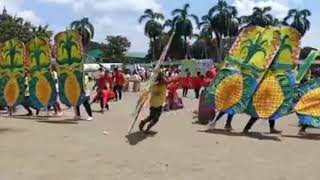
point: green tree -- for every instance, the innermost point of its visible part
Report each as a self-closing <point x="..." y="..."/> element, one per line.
<point x="200" y="47"/>
<point x="222" y="20"/>
<point x="298" y="20"/>
<point x="116" y="48"/>
<point x="85" y="29"/>
<point x="152" y="28"/>
<point x="42" y="32"/>
<point x="183" y="25"/>
<point x="15" y="27"/>
<point x="260" y="17"/>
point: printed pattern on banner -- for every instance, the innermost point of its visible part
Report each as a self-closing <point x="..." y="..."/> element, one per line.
<point x="41" y="84"/>
<point x="70" y="68"/>
<point x="307" y="106"/>
<point x="273" y="98"/>
<point x="249" y="58"/>
<point x="12" y="81"/>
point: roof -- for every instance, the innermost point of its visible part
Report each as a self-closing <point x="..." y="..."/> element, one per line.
<point x="95" y="53"/>
<point x="136" y="54"/>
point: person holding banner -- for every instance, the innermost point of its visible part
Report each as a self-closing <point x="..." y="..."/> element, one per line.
<point x="157" y="100"/>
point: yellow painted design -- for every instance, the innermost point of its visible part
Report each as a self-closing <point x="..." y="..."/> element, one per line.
<point x="224" y="99"/>
<point x="287" y="56"/>
<point x="309" y="104"/>
<point x="245" y="48"/>
<point x="11" y="92"/>
<point x="268" y="97"/>
<point x="43" y="90"/>
<point x="39" y="52"/>
<point x="72" y="89"/>
<point x="69" y="37"/>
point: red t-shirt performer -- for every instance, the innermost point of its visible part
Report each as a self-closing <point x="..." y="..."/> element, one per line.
<point x="119" y="81"/>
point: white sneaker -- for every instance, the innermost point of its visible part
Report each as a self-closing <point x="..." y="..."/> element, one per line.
<point x="89" y="118"/>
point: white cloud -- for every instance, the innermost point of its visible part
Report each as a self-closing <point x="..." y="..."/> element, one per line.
<point x="15" y="7"/>
<point x="29" y="15"/>
<point x="113" y="17"/>
<point x="279" y="7"/>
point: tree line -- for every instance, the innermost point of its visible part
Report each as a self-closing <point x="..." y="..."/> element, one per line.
<point x="217" y="29"/>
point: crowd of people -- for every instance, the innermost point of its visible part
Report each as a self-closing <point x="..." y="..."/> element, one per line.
<point x="105" y="86"/>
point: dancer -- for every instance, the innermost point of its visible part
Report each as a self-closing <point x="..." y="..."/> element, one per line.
<point x="106" y="95"/>
<point x="158" y="98"/>
<point x="103" y="80"/>
<point x="174" y="102"/>
<point x="89" y="83"/>
<point x="26" y="101"/>
<point x="186" y="84"/>
<point x="228" y="125"/>
<point x="56" y="106"/>
<point x="197" y="83"/>
<point x="253" y="120"/>
<point x="119" y="81"/>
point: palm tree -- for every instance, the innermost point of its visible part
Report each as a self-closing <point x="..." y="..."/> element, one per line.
<point x="85" y="29"/>
<point x="298" y="20"/>
<point x="203" y="38"/>
<point x="223" y="21"/>
<point x="260" y="17"/>
<point x="42" y="32"/>
<point x="183" y="25"/>
<point x="170" y="24"/>
<point x="152" y="28"/>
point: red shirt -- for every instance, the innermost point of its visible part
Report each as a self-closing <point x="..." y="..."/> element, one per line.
<point x="206" y="82"/>
<point x="186" y="82"/>
<point x="197" y="82"/>
<point x="119" y="78"/>
<point x="107" y="95"/>
<point x="103" y="80"/>
<point x="172" y="87"/>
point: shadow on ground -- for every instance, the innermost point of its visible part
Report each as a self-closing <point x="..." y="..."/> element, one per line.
<point x="137" y="137"/>
<point x="24" y="117"/>
<point x="3" y="130"/>
<point x="65" y="121"/>
<point x="308" y="136"/>
<point x="254" y="135"/>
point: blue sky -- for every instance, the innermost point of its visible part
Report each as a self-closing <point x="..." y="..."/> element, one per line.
<point x="113" y="17"/>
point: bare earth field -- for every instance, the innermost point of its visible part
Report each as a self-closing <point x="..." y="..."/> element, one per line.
<point x="49" y="149"/>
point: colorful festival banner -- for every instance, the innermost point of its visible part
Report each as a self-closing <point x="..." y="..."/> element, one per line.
<point x="70" y="68"/>
<point x="304" y="68"/>
<point x="308" y="103"/>
<point x="12" y="79"/>
<point x="273" y="98"/>
<point x="249" y="59"/>
<point x="41" y="84"/>
<point x="196" y="65"/>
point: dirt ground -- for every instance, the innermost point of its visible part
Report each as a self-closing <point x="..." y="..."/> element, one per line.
<point x="51" y="149"/>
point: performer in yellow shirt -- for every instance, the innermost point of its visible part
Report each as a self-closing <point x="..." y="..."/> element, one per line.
<point x="157" y="100"/>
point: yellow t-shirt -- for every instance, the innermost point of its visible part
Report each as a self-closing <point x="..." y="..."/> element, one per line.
<point x="158" y="95"/>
